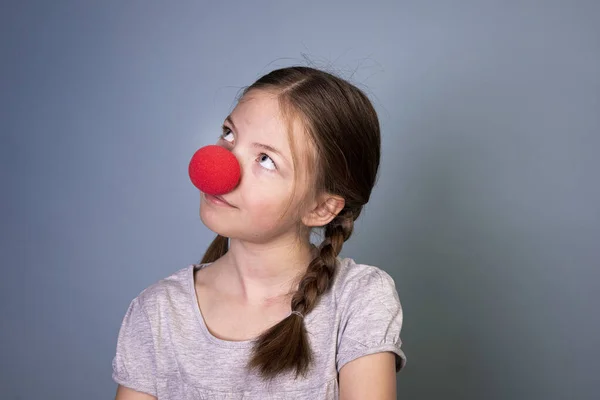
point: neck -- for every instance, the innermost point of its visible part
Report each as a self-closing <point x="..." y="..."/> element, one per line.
<point x="259" y="273"/>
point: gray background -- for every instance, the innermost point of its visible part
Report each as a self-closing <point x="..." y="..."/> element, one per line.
<point x="486" y="212"/>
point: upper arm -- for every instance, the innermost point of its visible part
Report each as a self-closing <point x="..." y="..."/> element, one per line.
<point x="369" y="377"/>
<point x="125" y="393"/>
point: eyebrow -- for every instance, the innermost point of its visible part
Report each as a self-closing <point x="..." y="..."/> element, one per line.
<point x="259" y="145"/>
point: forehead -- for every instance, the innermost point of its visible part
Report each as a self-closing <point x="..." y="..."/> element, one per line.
<point x="259" y="113"/>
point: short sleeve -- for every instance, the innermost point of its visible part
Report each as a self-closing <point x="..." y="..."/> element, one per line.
<point x="371" y="319"/>
<point x="134" y="364"/>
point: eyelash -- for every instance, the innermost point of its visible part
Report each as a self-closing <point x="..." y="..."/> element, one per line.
<point x="227" y="130"/>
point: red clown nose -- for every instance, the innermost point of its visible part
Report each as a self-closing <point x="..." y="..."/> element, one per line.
<point x="214" y="170"/>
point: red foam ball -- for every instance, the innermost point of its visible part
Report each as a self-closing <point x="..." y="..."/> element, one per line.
<point x="214" y="170"/>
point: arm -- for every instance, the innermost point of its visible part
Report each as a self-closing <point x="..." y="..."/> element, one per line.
<point x="125" y="393"/>
<point x="369" y="377"/>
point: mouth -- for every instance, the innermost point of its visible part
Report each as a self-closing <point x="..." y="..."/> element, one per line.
<point x="218" y="200"/>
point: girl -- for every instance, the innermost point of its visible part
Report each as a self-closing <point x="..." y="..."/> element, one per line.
<point x="267" y="314"/>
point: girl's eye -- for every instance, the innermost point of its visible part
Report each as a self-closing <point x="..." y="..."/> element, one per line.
<point x="264" y="160"/>
<point x="267" y="162"/>
<point x="227" y="132"/>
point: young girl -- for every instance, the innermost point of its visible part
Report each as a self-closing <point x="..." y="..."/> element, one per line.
<point x="267" y="314"/>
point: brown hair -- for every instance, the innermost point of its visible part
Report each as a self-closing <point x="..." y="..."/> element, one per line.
<point x="343" y="128"/>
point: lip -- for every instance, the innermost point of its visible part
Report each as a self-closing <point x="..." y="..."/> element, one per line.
<point x="217" y="200"/>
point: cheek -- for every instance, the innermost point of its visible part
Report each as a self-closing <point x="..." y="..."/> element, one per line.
<point x="265" y="201"/>
<point x="266" y="205"/>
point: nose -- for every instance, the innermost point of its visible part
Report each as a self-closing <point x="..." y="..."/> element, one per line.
<point x="214" y="170"/>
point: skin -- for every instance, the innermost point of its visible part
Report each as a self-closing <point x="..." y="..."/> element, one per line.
<point x="249" y="289"/>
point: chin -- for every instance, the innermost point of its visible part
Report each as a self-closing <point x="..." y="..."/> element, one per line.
<point x="223" y="227"/>
<point x="219" y="224"/>
<point x="238" y="227"/>
<point x="214" y="222"/>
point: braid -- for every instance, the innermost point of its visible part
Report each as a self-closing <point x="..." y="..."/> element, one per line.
<point x="285" y="346"/>
<point x="320" y="271"/>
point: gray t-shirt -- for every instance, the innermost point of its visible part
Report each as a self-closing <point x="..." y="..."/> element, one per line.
<point x="165" y="349"/>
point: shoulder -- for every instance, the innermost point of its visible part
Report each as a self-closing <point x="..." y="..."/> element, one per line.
<point x="170" y="290"/>
<point x="354" y="278"/>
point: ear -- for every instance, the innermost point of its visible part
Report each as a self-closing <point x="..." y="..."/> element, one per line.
<point x="326" y="207"/>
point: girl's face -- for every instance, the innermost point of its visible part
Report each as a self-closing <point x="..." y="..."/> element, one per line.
<point x="256" y="133"/>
